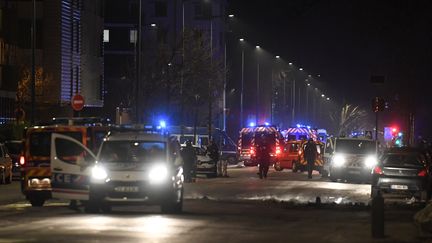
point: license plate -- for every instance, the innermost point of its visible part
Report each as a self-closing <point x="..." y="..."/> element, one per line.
<point x="126" y="189"/>
<point x="399" y="187"/>
<point x="355" y="172"/>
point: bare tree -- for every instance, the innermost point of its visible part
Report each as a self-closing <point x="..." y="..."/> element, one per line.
<point x="349" y="118"/>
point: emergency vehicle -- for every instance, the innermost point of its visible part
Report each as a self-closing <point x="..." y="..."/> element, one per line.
<point x="133" y="166"/>
<point x="292" y="157"/>
<point x="244" y="144"/>
<point x="269" y="133"/>
<point x="299" y="133"/>
<point x="35" y="161"/>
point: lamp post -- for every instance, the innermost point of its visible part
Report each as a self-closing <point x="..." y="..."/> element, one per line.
<point x="33" y="68"/>
<point x="138" y="74"/>
<point x="257" y="87"/>
<point x="242" y="82"/>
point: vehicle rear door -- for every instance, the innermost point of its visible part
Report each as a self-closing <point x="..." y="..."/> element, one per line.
<point x="70" y="168"/>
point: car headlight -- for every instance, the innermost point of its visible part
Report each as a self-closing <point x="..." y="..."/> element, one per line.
<point x="338" y="160"/>
<point x="158" y="174"/>
<point x="371" y="161"/>
<point x="99" y="173"/>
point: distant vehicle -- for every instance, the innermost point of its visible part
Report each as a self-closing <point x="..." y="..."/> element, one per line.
<point x="205" y="165"/>
<point x="227" y="147"/>
<point x="402" y="170"/>
<point x="15" y="150"/>
<point x="35" y="161"/>
<point x="245" y="143"/>
<point x="131" y="167"/>
<point x="289" y="155"/>
<point x="350" y="158"/>
<point x="299" y="133"/>
<point x="269" y="135"/>
<point x="5" y="166"/>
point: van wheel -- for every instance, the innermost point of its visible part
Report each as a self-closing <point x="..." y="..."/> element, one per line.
<point x="91" y="207"/>
<point x="294" y="166"/>
<point x="277" y="166"/>
<point x="173" y="206"/>
<point x="37" y="201"/>
<point x="332" y="178"/>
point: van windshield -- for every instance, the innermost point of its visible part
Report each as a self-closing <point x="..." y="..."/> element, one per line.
<point x="355" y="146"/>
<point x="133" y="151"/>
<point x="40" y="142"/>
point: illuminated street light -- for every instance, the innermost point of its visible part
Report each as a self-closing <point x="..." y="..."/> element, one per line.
<point x="257" y="47"/>
<point x="231" y="15"/>
<point x="323" y="95"/>
<point x="290" y="63"/>
<point x="277" y="57"/>
<point x="328" y="98"/>
<point x="153" y="25"/>
<point x="301" y="69"/>
<point x="241" y="39"/>
<point x="319" y="75"/>
<point x="309" y="76"/>
<point x="308" y="84"/>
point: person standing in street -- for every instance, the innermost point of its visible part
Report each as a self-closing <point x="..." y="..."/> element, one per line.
<point x="263" y="156"/>
<point x="213" y="152"/>
<point x="310" y="152"/>
<point x="189" y="161"/>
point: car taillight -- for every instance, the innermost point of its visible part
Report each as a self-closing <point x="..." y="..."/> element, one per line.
<point x="278" y="150"/>
<point x="252" y="150"/>
<point x="422" y="173"/>
<point x="22" y="160"/>
<point x="377" y="170"/>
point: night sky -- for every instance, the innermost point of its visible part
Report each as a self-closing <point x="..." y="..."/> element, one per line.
<point x="347" y="42"/>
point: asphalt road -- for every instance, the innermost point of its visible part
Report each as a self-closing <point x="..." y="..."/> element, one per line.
<point x="241" y="208"/>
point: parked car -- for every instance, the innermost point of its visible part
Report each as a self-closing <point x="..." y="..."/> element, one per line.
<point x="403" y="171"/>
<point x="14" y="149"/>
<point x="205" y="165"/>
<point x="5" y="166"/>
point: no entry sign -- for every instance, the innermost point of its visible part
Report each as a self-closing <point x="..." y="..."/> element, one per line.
<point x="77" y="102"/>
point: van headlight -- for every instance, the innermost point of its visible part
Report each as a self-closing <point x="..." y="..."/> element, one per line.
<point x="371" y="161"/>
<point x="339" y="160"/>
<point x="99" y="173"/>
<point x="158" y="174"/>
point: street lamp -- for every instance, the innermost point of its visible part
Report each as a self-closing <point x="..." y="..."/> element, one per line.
<point x="242" y="81"/>
<point x="257" y="47"/>
<point x="301" y="69"/>
<point x="231" y="15"/>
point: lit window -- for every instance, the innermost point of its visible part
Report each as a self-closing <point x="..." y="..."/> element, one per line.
<point x="133" y="36"/>
<point x="106" y="36"/>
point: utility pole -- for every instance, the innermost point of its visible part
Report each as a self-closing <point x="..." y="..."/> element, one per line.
<point x="33" y="67"/>
<point x="138" y="75"/>
<point x="242" y="88"/>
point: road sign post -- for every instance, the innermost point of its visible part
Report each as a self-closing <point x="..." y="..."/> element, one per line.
<point x="77" y="104"/>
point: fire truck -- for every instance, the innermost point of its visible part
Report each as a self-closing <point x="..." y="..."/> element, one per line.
<point x="299" y="133"/>
<point x="250" y="137"/>
<point x="35" y="160"/>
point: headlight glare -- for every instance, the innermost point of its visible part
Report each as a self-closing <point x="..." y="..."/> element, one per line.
<point x="99" y="173"/>
<point x="371" y="161"/>
<point x="338" y="160"/>
<point x="158" y="174"/>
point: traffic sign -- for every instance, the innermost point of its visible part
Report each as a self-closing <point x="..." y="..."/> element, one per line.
<point x="77" y="102"/>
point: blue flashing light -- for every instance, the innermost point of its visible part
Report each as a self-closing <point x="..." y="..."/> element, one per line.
<point x="298" y="125"/>
<point x="162" y="124"/>
<point x="267" y="124"/>
<point x="400" y="134"/>
<point x="308" y="127"/>
<point x="252" y="124"/>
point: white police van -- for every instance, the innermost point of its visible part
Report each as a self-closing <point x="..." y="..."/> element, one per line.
<point x="131" y="167"/>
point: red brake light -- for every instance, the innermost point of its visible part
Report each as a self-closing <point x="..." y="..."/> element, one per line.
<point x="22" y="160"/>
<point x="252" y="151"/>
<point x="278" y="150"/>
<point x="378" y="170"/>
<point x="422" y="173"/>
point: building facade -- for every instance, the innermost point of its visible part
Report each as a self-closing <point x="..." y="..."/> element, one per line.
<point x="69" y="54"/>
